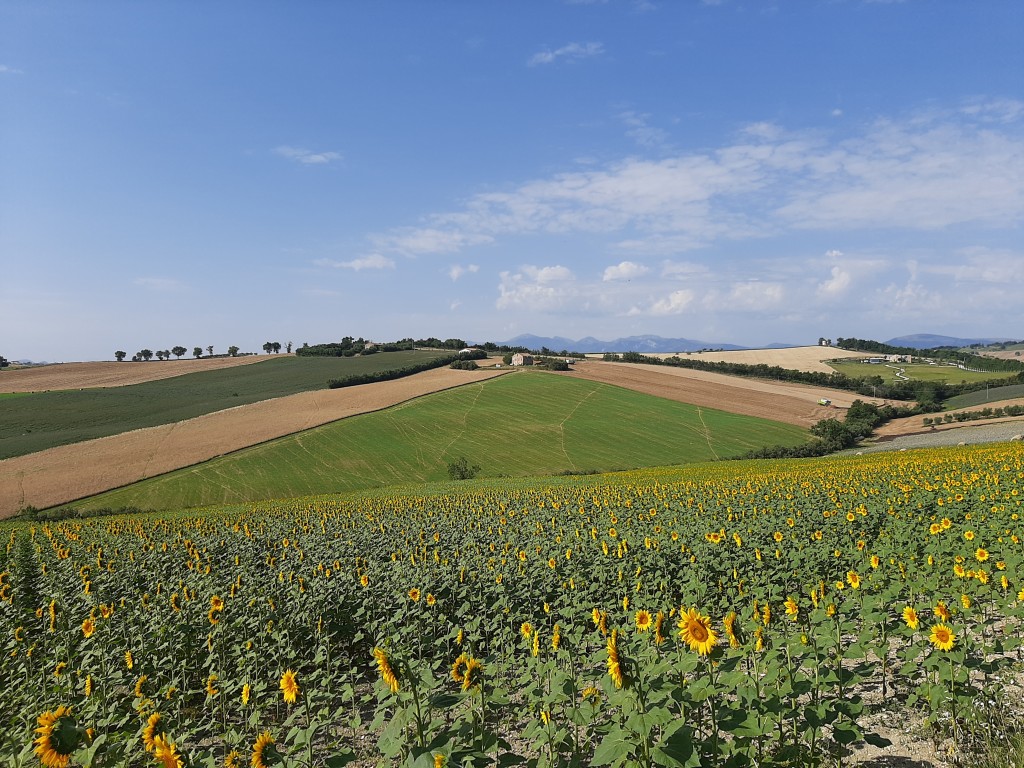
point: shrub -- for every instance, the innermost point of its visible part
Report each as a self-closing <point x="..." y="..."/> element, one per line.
<point x="461" y="469"/>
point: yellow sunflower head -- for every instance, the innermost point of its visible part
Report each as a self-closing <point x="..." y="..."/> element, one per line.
<point x="58" y="737"/>
<point x="264" y="752"/>
<point x="289" y="687"/>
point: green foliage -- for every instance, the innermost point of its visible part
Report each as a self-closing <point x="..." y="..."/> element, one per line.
<point x="465" y="365"/>
<point x="47" y="419"/>
<point x="461" y="469"/>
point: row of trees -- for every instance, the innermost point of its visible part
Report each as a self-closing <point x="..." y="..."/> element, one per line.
<point x="275" y="347"/>
<point x="145" y="355"/>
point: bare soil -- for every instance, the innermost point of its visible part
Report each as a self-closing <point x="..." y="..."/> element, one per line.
<point x="47" y="378"/>
<point x="69" y="472"/>
<point x="789" y="403"/>
<point x="795" y="358"/>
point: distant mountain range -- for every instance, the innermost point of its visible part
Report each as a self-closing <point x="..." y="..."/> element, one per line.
<point x="931" y="340"/>
<point x="642" y="344"/>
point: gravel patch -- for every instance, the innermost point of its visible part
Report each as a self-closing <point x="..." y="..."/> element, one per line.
<point x="967" y="435"/>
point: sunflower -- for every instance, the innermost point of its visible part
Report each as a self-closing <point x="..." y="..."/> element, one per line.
<point x="526" y="630"/>
<point x="128" y="660"/>
<point x="166" y="753"/>
<point x="246" y="693"/>
<point x="289" y="687"/>
<point x="942" y="637"/>
<point x="364" y="580"/>
<point x="556" y="636"/>
<point x="981" y="554"/>
<point x="88" y="627"/>
<point x="216" y="603"/>
<point x="151" y="731"/>
<point x="729" y="622"/>
<point x="792" y="608"/>
<point x="431" y="600"/>
<point x="414" y="595"/>
<point x="474" y="671"/>
<point x="58" y="737"/>
<point x="643" y="620"/>
<point x="659" y="620"/>
<point x="211" y="688"/>
<point x="941" y="611"/>
<point x="696" y="631"/>
<point x="264" y="751"/>
<point x="615" y="666"/>
<point x="384" y="667"/>
<point x="910" y="617"/>
<point x="853" y="579"/>
<point x="459" y="668"/>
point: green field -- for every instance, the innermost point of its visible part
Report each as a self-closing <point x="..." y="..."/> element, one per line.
<point x="529" y="423"/>
<point x="985" y="396"/>
<point x="918" y="372"/>
<point x="48" y="419"/>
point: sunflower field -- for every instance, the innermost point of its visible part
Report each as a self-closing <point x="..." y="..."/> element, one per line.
<point x="733" y="614"/>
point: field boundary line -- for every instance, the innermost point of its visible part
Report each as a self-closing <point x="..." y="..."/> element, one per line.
<point x="561" y="425"/>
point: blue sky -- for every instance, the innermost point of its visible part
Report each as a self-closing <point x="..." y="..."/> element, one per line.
<point x="738" y="172"/>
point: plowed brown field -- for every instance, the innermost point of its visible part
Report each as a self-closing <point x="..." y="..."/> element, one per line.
<point x="47" y="378"/>
<point x="788" y="403"/>
<point x="61" y="475"/>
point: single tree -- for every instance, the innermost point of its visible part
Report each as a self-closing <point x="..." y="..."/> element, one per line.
<point x="197" y="351"/>
<point x="288" y="349"/>
<point x="209" y="350"/>
<point x="268" y="346"/>
<point x="159" y="354"/>
<point x="276" y="346"/>
<point x="178" y="351"/>
<point x="146" y="354"/>
<point x="232" y="351"/>
<point x="120" y="355"/>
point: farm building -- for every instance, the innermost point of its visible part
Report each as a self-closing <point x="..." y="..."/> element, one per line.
<point x="520" y="359"/>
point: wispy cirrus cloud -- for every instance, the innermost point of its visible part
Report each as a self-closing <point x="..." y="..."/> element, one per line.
<point x="924" y="171"/>
<point x="455" y="271"/>
<point x="372" y="261"/>
<point x="571" y="51"/>
<point x="7" y="70"/>
<point x="307" y="157"/>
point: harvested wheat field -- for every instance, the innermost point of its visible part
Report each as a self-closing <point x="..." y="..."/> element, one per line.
<point x="63" y="474"/>
<point x="788" y="403"/>
<point x="912" y="425"/>
<point x="795" y="358"/>
<point x="48" y="378"/>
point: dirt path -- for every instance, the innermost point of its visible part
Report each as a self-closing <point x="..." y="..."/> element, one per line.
<point x="789" y="403"/>
<point x="61" y="475"/>
<point x="47" y="378"/>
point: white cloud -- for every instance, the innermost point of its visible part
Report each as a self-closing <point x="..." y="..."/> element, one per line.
<point x="748" y="296"/>
<point x="305" y="156"/>
<point x="570" y="51"/>
<point x="372" y="261"/>
<point x="412" y="241"/>
<point x="457" y="270"/>
<point x="674" y="304"/>
<point x="536" y="288"/>
<point x="624" y="270"/>
<point x="641" y="131"/>
<point x="836" y="285"/>
<point x="6" y="70"/>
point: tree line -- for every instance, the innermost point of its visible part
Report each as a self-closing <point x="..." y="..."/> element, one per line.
<point x="145" y="355"/>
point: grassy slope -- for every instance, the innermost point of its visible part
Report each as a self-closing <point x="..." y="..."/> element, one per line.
<point x="529" y="423"/>
<point x="982" y="397"/>
<point x="918" y="372"/>
<point x="47" y="419"/>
